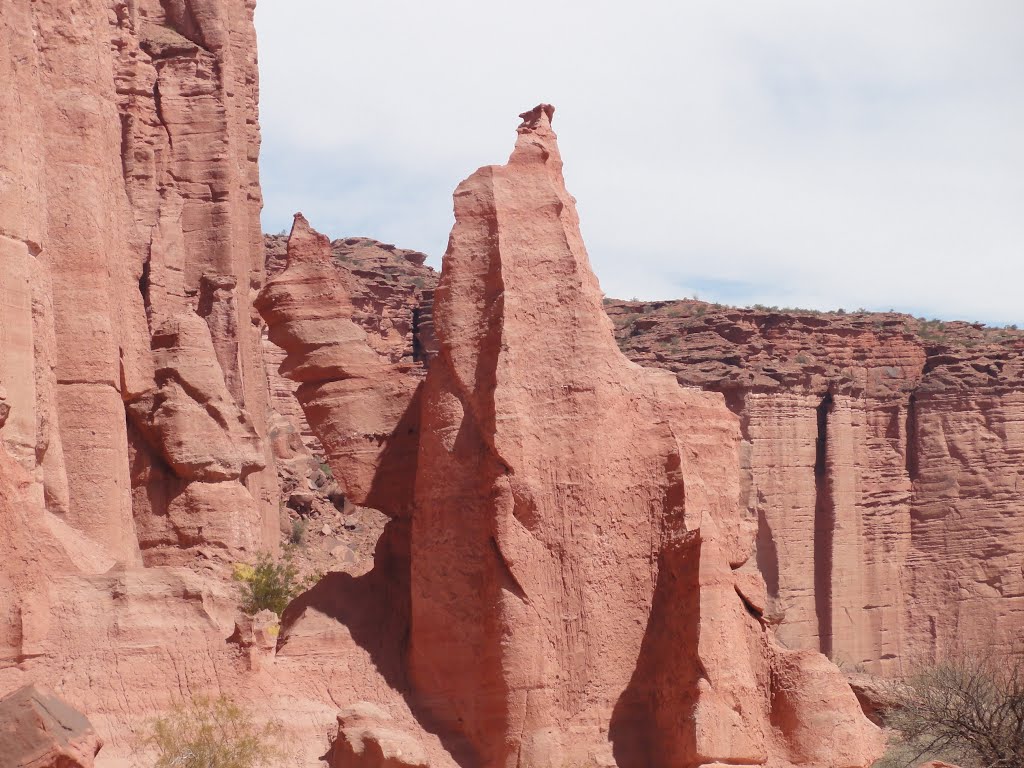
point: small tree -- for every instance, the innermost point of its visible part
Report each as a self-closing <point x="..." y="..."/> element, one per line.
<point x="214" y="733"/>
<point x="968" y="710"/>
<point x="268" y="585"/>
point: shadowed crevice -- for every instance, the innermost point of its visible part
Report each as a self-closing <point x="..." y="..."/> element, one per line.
<point x="824" y="530"/>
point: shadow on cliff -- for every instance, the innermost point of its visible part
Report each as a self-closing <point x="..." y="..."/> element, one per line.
<point x="392" y="490"/>
<point x="652" y="723"/>
<point x="375" y="608"/>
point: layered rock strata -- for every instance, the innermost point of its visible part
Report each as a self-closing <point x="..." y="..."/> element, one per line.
<point x="882" y="458"/>
<point x="132" y="392"/>
<point x="388" y="293"/>
<point x="356" y="399"/>
<point x="391" y="291"/>
<point x="569" y="561"/>
<point x="129" y="207"/>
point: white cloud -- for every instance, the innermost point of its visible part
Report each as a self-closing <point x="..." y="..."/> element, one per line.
<point x="797" y="152"/>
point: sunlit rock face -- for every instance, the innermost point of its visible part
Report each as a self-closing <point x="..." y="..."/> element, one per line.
<point x="357" y="400"/>
<point x="129" y="203"/>
<point x="882" y="459"/>
<point x="577" y="522"/>
<point x="132" y="393"/>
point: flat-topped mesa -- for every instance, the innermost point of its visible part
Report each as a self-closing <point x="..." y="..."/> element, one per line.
<point x="576" y="518"/>
<point x="355" y="400"/>
<point x="881" y="453"/>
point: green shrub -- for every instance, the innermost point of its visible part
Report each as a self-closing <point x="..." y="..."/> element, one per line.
<point x="214" y="733"/>
<point x="298" y="534"/>
<point x="268" y="585"/>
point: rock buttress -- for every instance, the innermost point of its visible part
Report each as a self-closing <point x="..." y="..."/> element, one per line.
<point x="357" y="401"/>
<point x="577" y="519"/>
<point x="130" y="196"/>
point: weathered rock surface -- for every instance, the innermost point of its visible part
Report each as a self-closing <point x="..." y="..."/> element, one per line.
<point x="129" y="198"/>
<point x="133" y="409"/>
<point x="203" y="447"/>
<point x="367" y="738"/>
<point x="356" y="399"/>
<point x="563" y="577"/>
<point x="882" y="458"/>
<point x="390" y="289"/>
<point x="38" y="730"/>
<point x="576" y="521"/>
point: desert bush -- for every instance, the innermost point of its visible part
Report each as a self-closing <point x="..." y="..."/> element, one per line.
<point x="298" y="532"/>
<point x="268" y="585"/>
<point x="968" y="710"/>
<point x="214" y="733"/>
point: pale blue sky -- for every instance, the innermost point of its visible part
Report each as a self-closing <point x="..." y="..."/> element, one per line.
<point x="800" y="152"/>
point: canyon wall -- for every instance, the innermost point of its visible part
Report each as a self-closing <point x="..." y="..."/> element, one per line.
<point x="883" y="459"/>
<point x="133" y="401"/>
<point x="570" y="560"/>
<point x="130" y="358"/>
<point x="575" y="561"/>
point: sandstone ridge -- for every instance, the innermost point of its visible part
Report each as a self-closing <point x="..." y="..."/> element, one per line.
<point x="571" y="546"/>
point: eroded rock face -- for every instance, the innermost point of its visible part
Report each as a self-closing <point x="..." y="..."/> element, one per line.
<point x="577" y="520"/>
<point x="38" y="730"/>
<point x="204" y="447"/>
<point x="391" y="291"/>
<point x="130" y="250"/>
<point x="367" y="738"/>
<point x="129" y="198"/>
<point x="881" y="455"/>
<point x="356" y="400"/>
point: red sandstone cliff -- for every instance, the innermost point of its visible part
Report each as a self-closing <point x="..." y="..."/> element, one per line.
<point x="577" y="518"/>
<point x="129" y="211"/>
<point x="882" y="458"/>
<point x="132" y="391"/>
<point x="569" y="555"/>
<point x="566" y="519"/>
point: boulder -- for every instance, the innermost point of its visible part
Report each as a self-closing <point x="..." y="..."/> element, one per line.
<point x="39" y="730"/>
<point x="368" y="738"/>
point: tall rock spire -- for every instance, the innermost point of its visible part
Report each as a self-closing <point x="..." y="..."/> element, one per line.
<point x="577" y="523"/>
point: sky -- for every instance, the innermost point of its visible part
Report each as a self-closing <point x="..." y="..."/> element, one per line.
<point x="800" y="153"/>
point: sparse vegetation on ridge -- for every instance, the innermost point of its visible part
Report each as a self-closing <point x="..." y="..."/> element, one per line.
<point x="298" y="533"/>
<point x="269" y="584"/>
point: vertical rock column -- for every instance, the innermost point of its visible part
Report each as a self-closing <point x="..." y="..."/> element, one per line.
<point x="91" y="251"/>
<point x="187" y="88"/>
<point x="577" y="522"/>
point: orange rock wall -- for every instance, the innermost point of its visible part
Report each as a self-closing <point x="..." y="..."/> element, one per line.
<point x="882" y="460"/>
<point x="129" y="203"/>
